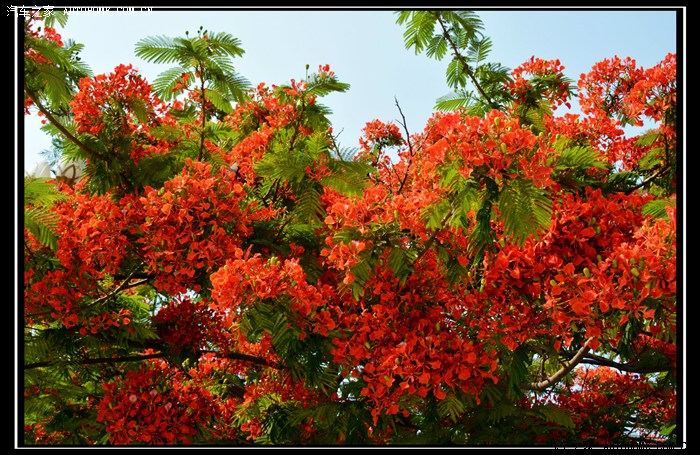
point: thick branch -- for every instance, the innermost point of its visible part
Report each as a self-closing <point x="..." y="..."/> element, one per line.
<point x="563" y="371"/>
<point x="244" y="357"/>
<point x="138" y="358"/>
<point x="593" y="359"/>
<point x="128" y="358"/>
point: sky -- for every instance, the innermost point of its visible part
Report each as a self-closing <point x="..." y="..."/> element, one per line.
<point x="365" y="48"/>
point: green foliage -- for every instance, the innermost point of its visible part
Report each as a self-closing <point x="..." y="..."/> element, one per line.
<point x="657" y="208"/>
<point x="206" y="56"/>
<point x="573" y="165"/>
<point x="524" y="209"/>
<point x="460" y="34"/>
<point x="51" y="78"/>
<point x="556" y="415"/>
<point x="39" y="196"/>
<point x="300" y="392"/>
<point x="454" y="100"/>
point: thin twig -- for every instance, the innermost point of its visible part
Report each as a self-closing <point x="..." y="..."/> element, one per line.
<point x="410" y="146"/>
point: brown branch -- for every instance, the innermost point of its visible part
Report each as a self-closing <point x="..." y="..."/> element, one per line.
<point x="128" y="358"/>
<point x="60" y="126"/>
<point x="115" y="291"/>
<point x="99" y="300"/>
<point x="244" y="357"/>
<point x="430" y="241"/>
<point x="659" y="173"/>
<point x="138" y="358"/>
<point x="281" y="229"/>
<point x="465" y="65"/>
<point x="563" y="371"/>
<point x="593" y="359"/>
<point x="204" y="118"/>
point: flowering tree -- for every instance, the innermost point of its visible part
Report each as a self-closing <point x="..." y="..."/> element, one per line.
<point x="225" y="273"/>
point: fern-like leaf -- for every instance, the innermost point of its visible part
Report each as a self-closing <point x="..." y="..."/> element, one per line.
<point x="578" y="157"/>
<point x="419" y="28"/>
<point x="556" y="415"/>
<point x="166" y="81"/>
<point x="657" y="208"/>
<point x="525" y="209"/>
<point x="454" y="100"/>
<point x="437" y="47"/>
<point x="455" y="74"/>
<point x="479" y="50"/>
<point x="158" y="49"/>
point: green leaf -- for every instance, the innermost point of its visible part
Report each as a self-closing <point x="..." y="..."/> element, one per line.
<point x="222" y="43"/>
<point x="349" y="177"/>
<point x="455" y="74"/>
<point x="56" y="87"/>
<point x="219" y="101"/>
<point x="39" y="196"/>
<point x="309" y="206"/>
<point x="478" y="50"/>
<point x="59" y="16"/>
<point x="419" y="29"/>
<point x="140" y="109"/>
<point x="323" y="85"/>
<point x="647" y="138"/>
<point x="437" y="47"/>
<point x="518" y="370"/>
<point x="501" y="411"/>
<point x="401" y="261"/>
<point x="166" y="81"/>
<point x="657" y="208"/>
<point x="556" y="415"/>
<point x="158" y="49"/>
<point x="451" y="406"/>
<point x="652" y="159"/>
<point x="578" y="157"/>
<point x="434" y="214"/>
<point x="454" y="100"/>
<point x="525" y="209"/>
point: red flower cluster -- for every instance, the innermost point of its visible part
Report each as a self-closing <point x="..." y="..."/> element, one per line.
<point x="191" y="225"/>
<point x="598" y="402"/>
<point x="119" y="109"/>
<point x="154" y="405"/>
<point x="546" y="81"/>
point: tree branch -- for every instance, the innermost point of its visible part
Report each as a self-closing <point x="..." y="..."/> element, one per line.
<point x="593" y="359"/>
<point x="410" y="146"/>
<point x="119" y="288"/>
<point x="465" y="65"/>
<point x="244" y="357"/>
<point x="659" y="173"/>
<point x="563" y="371"/>
<point x="60" y="126"/>
<point x="128" y="358"/>
<point x="138" y="358"/>
<point x="430" y="241"/>
<point x="204" y="116"/>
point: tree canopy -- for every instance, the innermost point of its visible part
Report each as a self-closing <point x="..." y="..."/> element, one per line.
<point x="224" y="273"/>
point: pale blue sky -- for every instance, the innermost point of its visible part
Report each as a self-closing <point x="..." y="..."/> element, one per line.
<point x="365" y="48"/>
